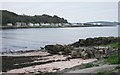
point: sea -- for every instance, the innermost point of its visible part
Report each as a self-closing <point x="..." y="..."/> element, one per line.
<point x="35" y="38"/>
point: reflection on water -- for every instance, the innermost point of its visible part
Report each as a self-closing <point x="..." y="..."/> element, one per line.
<point x="22" y="39"/>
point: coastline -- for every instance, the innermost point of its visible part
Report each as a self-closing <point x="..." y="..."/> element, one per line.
<point x="26" y="53"/>
<point x="59" y="58"/>
<point x="48" y="63"/>
<point x="11" y="27"/>
<point x="52" y="67"/>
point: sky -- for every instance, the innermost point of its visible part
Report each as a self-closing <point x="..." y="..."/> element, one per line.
<point x="59" y="0"/>
<point x="74" y="12"/>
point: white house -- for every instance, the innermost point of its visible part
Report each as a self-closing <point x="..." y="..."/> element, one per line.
<point x="36" y="24"/>
<point x="96" y="23"/>
<point x="52" y="24"/>
<point x="74" y="24"/>
<point x="66" y="24"/>
<point x="45" y="24"/>
<point x="30" y="24"/>
<point x="99" y="24"/>
<point x="23" y="24"/>
<point x="18" y="24"/>
<point x="82" y="24"/>
<point x="59" y="24"/>
<point x="77" y="24"/>
<point x="9" y="24"/>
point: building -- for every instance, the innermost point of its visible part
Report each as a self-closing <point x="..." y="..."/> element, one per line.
<point x="20" y="24"/>
<point x="59" y="24"/>
<point x="45" y="24"/>
<point x="23" y="24"/>
<point x="66" y="24"/>
<point x="9" y="24"/>
<point x="36" y="24"/>
<point x="30" y="24"/>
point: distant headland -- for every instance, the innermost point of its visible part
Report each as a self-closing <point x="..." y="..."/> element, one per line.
<point x="11" y="20"/>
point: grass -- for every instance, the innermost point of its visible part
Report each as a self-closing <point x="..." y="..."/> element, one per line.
<point x="88" y="65"/>
<point x="115" y="45"/>
<point x="113" y="59"/>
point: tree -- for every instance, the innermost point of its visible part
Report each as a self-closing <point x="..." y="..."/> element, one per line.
<point x="10" y="17"/>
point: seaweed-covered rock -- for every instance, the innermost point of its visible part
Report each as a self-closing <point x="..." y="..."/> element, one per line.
<point x="54" y="49"/>
<point x="96" y="41"/>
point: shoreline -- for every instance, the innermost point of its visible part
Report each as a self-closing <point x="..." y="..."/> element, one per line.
<point x="55" y="27"/>
<point x="41" y="61"/>
<point x="52" y="58"/>
<point x="51" y="67"/>
<point x="25" y="53"/>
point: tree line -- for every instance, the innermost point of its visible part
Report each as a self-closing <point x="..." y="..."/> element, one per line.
<point x="11" y="17"/>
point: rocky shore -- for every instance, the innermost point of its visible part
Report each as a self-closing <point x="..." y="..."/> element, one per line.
<point x="58" y="58"/>
<point x="39" y="61"/>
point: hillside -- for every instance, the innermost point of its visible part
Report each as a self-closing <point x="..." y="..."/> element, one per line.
<point x="11" y="17"/>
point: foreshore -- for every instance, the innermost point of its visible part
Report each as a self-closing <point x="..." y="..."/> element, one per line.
<point x="52" y="67"/>
<point x="48" y="63"/>
<point x="59" y="58"/>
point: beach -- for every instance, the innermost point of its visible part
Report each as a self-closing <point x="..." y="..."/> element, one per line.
<point x="52" y="67"/>
<point x="50" y="63"/>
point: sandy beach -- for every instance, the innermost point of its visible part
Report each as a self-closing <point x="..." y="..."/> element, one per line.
<point x="51" y="67"/>
<point x="51" y="63"/>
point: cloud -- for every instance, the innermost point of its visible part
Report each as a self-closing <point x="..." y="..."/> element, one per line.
<point x="72" y="11"/>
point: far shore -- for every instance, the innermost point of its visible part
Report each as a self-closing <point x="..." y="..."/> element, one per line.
<point x="24" y="27"/>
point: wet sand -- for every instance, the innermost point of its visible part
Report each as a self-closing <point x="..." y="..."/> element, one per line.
<point x="52" y="67"/>
<point x="29" y="53"/>
<point x="59" y="62"/>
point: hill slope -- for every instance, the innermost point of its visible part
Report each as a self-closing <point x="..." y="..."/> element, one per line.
<point x="11" y="17"/>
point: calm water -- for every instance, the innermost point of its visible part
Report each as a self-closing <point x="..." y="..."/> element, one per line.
<point x="24" y="39"/>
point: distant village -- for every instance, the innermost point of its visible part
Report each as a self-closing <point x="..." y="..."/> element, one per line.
<point x="13" y="20"/>
<point x="23" y="24"/>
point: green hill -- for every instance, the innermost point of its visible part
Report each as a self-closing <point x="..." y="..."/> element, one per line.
<point x="11" y="17"/>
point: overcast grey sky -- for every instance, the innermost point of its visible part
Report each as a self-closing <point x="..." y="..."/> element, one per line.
<point x="72" y="11"/>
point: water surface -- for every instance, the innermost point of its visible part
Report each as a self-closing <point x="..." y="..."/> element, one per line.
<point x="34" y="38"/>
